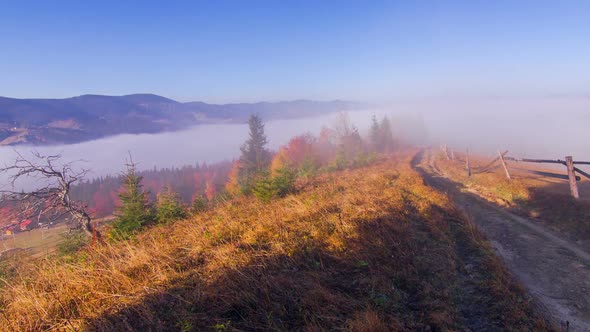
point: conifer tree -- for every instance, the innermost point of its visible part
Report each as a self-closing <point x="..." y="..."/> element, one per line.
<point x="199" y="205"/>
<point x="386" y="134"/>
<point x="375" y="133"/>
<point x="169" y="207"/>
<point x="135" y="210"/>
<point x="255" y="158"/>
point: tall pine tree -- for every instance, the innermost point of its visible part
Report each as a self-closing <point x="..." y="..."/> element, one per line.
<point x="386" y="135"/>
<point x="375" y="133"/>
<point x="380" y="134"/>
<point x="255" y="158"/>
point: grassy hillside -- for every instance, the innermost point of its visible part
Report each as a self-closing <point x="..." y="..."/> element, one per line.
<point x="371" y="249"/>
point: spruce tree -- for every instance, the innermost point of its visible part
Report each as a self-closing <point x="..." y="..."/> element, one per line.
<point x="375" y="133"/>
<point x="169" y="207"/>
<point x="255" y="158"/>
<point x="199" y="204"/>
<point x="135" y="210"/>
<point x="386" y="134"/>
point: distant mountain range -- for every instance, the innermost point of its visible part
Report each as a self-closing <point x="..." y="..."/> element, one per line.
<point x="87" y="117"/>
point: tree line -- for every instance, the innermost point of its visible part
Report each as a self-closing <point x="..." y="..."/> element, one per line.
<point x="192" y="182"/>
<point x="267" y="175"/>
<point x="193" y="189"/>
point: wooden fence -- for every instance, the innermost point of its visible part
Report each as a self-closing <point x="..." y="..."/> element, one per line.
<point x="502" y="158"/>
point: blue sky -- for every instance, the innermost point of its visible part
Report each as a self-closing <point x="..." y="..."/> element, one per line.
<point x="230" y="51"/>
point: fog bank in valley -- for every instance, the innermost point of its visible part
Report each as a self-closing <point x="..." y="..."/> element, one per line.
<point x="207" y="143"/>
<point x="535" y="127"/>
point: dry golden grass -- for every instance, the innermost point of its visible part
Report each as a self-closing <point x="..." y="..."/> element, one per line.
<point x="38" y="242"/>
<point x="371" y="249"/>
<point x="530" y="195"/>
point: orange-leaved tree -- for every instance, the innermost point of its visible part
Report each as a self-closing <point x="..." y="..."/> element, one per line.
<point x="299" y="153"/>
<point x="233" y="185"/>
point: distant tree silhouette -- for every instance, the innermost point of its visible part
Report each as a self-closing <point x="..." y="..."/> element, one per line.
<point x="380" y="134"/>
<point x="255" y="157"/>
<point x="386" y="134"/>
<point x="375" y="133"/>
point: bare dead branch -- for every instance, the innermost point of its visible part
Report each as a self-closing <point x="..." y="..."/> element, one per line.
<point x="51" y="200"/>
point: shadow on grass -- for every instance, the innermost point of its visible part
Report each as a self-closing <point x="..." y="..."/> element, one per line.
<point x="415" y="271"/>
<point x="550" y="204"/>
<point x="555" y="207"/>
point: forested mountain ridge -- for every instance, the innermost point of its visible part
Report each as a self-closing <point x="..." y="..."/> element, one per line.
<point x="87" y="117"/>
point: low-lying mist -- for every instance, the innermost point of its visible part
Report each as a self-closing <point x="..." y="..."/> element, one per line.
<point x="548" y="128"/>
<point x="536" y="128"/>
<point x="208" y="143"/>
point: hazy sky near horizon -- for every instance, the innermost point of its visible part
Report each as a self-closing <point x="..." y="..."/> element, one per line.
<point x="229" y="51"/>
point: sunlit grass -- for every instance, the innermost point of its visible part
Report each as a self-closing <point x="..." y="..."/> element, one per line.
<point x="371" y="249"/>
<point x="533" y="196"/>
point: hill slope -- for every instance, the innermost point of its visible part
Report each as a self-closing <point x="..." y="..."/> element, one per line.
<point x="372" y="249"/>
<point x="77" y="119"/>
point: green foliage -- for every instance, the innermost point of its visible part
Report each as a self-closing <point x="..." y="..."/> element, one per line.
<point x="169" y="207"/>
<point x="284" y="182"/>
<point x="247" y="182"/>
<point x="255" y="157"/>
<point x="199" y="205"/>
<point x="72" y="243"/>
<point x="308" y="169"/>
<point x="185" y="326"/>
<point x="279" y="185"/>
<point x="222" y="326"/>
<point x="135" y="210"/>
<point x="263" y="189"/>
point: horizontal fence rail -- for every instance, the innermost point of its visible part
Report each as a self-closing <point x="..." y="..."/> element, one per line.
<point x="502" y="158"/>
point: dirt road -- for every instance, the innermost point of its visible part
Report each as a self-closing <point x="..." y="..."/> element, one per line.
<point x="555" y="272"/>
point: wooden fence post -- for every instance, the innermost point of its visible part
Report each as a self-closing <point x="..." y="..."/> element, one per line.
<point x="446" y="151"/>
<point x="571" y="173"/>
<point x="501" y="155"/>
<point x="467" y="166"/>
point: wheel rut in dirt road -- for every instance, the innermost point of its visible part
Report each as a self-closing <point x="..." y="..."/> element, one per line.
<point x="555" y="271"/>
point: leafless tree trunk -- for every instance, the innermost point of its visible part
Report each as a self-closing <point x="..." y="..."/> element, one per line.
<point x="53" y="199"/>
